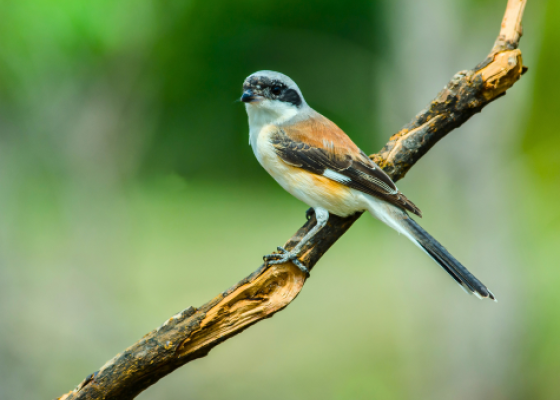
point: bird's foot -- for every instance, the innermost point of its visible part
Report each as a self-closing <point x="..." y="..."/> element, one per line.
<point x="283" y="257"/>
<point x="309" y="213"/>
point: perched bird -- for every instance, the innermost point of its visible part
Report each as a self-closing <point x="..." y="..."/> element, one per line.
<point x="315" y="161"/>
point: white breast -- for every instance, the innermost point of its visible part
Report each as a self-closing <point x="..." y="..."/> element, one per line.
<point x="266" y="154"/>
<point x="264" y="114"/>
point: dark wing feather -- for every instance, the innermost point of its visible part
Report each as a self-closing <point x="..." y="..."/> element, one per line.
<point x="316" y="157"/>
<point x="306" y="156"/>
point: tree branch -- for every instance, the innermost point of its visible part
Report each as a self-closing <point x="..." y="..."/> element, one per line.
<point x="192" y="333"/>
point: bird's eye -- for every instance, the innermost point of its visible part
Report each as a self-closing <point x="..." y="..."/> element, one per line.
<point x="276" y="90"/>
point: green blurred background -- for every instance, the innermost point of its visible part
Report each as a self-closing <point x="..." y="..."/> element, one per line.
<point x="114" y="213"/>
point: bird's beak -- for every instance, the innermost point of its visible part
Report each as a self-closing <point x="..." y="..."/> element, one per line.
<point x="249" y="97"/>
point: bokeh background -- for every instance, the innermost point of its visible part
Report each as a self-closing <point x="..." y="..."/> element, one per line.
<point x="128" y="192"/>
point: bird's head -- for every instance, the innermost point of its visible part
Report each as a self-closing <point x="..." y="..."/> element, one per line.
<point x="271" y="95"/>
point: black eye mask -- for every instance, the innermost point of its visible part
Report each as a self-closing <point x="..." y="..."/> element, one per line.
<point x="274" y="90"/>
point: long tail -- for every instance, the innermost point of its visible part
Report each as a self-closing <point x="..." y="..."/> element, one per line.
<point x="401" y="222"/>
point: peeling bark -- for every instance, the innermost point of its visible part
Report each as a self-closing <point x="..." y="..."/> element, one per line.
<point x="192" y="333"/>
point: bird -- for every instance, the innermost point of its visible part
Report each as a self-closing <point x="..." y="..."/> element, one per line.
<point x="315" y="161"/>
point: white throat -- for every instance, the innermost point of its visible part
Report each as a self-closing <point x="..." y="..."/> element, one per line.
<point x="267" y="112"/>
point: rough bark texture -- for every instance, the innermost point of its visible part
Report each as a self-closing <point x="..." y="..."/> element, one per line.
<point x="192" y="333"/>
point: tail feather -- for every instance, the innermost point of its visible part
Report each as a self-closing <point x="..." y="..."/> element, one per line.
<point x="399" y="220"/>
<point x="449" y="263"/>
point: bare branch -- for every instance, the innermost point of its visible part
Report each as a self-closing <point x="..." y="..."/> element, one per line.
<point x="192" y="333"/>
<point x="511" y="29"/>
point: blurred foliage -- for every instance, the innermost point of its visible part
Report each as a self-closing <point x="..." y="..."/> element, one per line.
<point x="124" y="163"/>
<point x="542" y="140"/>
<point x="176" y="68"/>
<point x="541" y="144"/>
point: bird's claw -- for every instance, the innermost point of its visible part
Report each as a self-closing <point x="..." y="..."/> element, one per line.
<point x="309" y="213"/>
<point x="285" y="256"/>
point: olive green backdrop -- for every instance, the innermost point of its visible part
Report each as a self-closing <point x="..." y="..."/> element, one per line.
<point x="128" y="192"/>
